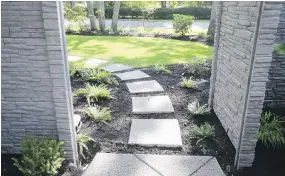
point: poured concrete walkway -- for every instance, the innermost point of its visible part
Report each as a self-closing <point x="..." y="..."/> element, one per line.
<point x="149" y="133"/>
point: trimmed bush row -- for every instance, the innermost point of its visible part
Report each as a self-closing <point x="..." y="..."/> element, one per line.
<point x="200" y="13"/>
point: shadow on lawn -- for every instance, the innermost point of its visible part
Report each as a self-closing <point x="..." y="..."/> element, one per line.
<point x="153" y="51"/>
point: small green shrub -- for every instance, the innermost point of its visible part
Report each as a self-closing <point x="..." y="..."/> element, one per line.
<point x="161" y="68"/>
<point x="76" y="70"/>
<point x="40" y="157"/>
<point x="196" y="109"/>
<point x="201" y="67"/>
<point x="271" y="131"/>
<point x="94" y="93"/>
<point x="202" y="35"/>
<point x="100" y="76"/>
<point x="280" y="49"/>
<point x="203" y="132"/>
<point x="82" y="138"/>
<point x="182" y="23"/>
<point x="188" y="83"/>
<point x="98" y="114"/>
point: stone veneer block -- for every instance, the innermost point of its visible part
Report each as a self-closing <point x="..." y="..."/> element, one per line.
<point x="152" y="104"/>
<point x="155" y="132"/>
<point x="144" y="87"/>
<point x="137" y="74"/>
<point x="116" y="67"/>
<point x="108" y="164"/>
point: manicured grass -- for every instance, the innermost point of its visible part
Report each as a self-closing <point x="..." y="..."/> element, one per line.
<point x="137" y="51"/>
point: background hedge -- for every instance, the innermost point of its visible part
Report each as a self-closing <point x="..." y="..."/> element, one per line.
<point x="200" y="13"/>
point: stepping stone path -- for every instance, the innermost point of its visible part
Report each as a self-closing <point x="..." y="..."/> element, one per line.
<point x="152" y="104"/>
<point x="116" y="68"/>
<point x="132" y="75"/>
<point x="150" y="132"/>
<point x="108" y="164"/>
<point x="94" y="62"/>
<point x="144" y="87"/>
<point x="155" y="132"/>
<point x="74" y="58"/>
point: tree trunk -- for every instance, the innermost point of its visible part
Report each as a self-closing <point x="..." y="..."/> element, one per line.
<point x="115" y="16"/>
<point x="163" y="4"/>
<point x="91" y="15"/>
<point x="101" y="15"/>
<point x="212" y="24"/>
<point x="167" y="4"/>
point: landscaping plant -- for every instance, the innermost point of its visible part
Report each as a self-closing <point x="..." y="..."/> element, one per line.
<point x="94" y="93"/>
<point x="203" y="132"/>
<point x="188" y="83"/>
<point x="182" y="23"/>
<point x="271" y="131"/>
<point x="196" y="109"/>
<point x="75" y="70"/>
<point x="100" y="76"/>
<point x="161" y="68"/>
<point x="82" y="138"/>
<point x="97" y="114"/>
<point x="40" y="156"/>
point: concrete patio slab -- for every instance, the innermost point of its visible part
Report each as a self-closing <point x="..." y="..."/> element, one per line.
<point x="116" y="67"/>
<point x="137" y="74"/>
<point x="93" y="62"/>
<point x="155" y="132"/>
<point x="74" y="58"/>
<point x="152" y="104"/>
<point x="144" y="87"/>
<point x="108" y="164"/>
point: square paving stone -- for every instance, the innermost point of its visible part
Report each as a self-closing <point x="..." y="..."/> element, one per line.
<point x="210" y="168"/>
<point x="116" y="67"/>
<point x="74" y="58"/>
<point x="137" y="74"/>
<point x="144" y="86"/>
<point x="152" y="104"/>
<point x="108" y="164"/>
<point x="94" y="62"/>
<point x="155" y="132"/>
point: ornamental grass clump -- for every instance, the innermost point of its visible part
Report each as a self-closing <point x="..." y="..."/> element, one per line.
<point x="161" y="68"/>
<point x="100" y="76"/>
<point x="82" y="138"/>
<point x="188" y="83"/>
<point x="204" y="132"/>
<point x="271" y="132"/>
<point x="40" y="156"/>
<point x="196" y="109"/>
<point x="94" y="93"/>
<point x="97" y="114"/>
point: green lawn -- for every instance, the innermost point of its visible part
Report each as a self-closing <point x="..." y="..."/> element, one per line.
<point x="137" y="51"/>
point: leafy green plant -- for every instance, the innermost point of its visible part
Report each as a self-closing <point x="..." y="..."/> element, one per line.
<point x="188" y="83"/>
<point x="100" y="76"/>
<point x="279" y="48"/>
<point x="82" y="138"/>
<point x="271" y="131"/>
<point x="76" y="14"/>
<point x="182" y="23"/>
<point x="76" y="70"/>
<point x="98" y="114"/>
<point x="203" y="132"/>
<point x="161" y="68"/>
<point x="94" y="93"/>
<point x="196" y="109"/>
<point x="201" y="34"/>
<point x="200" y="66"/>
<point x="40" y="157"/>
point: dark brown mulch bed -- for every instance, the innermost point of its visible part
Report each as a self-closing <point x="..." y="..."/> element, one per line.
<point x="114" y="136"/>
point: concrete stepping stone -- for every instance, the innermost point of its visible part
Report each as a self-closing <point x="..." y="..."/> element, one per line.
<point x="108" y="164"/>
<point x="116" y="67"/>
<point x="152" y="104"/>
<point x="94" y="62"/>
<point x="144" y="87"/>
<point x="155" y="132"/>
<point x="137" y="74"/>
<point x="74" y="58"/>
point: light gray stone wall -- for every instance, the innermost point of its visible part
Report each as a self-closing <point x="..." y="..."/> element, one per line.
<point x="242" y="58"/>
<point x="275" y="87"/>
<point x="35" y="82"/>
